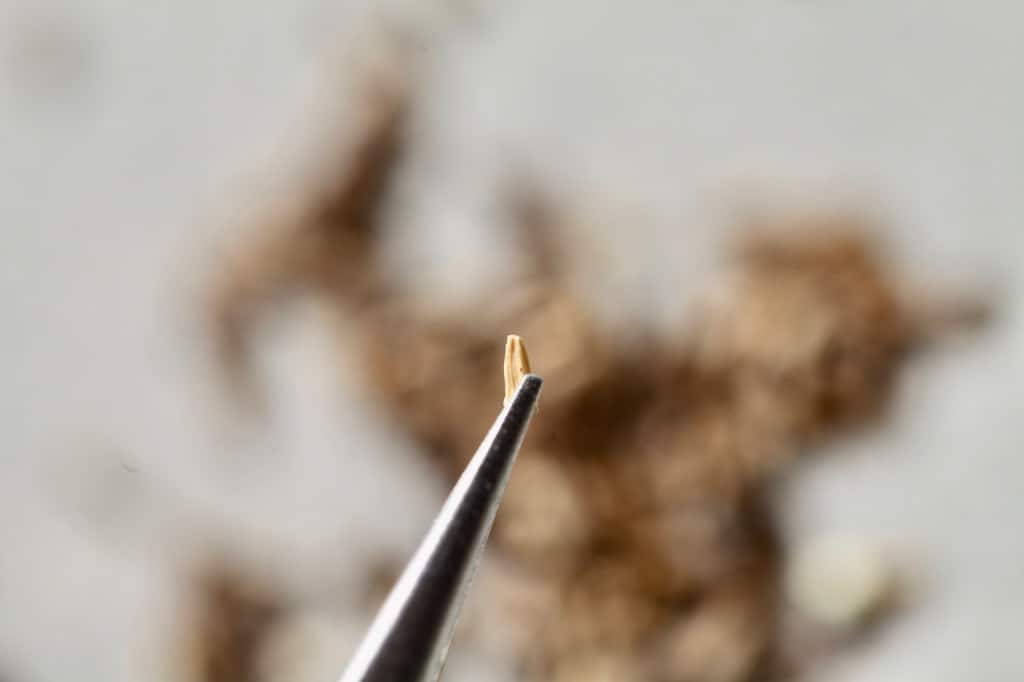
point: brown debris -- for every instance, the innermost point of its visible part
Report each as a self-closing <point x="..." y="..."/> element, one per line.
<point x="634" y="542"/>
<point x="325" y="248"/>
<point x="233" y="619"/>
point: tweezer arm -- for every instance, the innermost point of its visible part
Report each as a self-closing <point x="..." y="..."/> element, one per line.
<point x="408" y="641"/>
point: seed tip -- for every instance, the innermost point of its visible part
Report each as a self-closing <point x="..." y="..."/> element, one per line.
<point x="517" y="364"/>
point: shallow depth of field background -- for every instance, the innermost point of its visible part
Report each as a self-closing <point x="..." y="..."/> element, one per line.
<point x="135" y="138"/>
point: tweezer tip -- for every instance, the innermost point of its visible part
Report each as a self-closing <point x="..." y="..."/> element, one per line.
<point x="409" y="639"/>
<point x="522" y="403"/>
<point x="530" y="384"/>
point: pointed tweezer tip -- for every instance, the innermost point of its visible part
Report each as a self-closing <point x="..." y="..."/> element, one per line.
<point x="527" y="394"/>
<point x="408" y="641"/>
<point x="507" y="433"/>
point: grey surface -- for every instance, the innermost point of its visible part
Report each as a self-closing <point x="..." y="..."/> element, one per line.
<point x="131" y="150"/>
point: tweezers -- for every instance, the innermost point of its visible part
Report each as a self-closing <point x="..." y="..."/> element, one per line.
<point x="409" y="638"/>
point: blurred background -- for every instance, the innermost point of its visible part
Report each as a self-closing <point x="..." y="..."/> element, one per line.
<point x="775" y="241"/>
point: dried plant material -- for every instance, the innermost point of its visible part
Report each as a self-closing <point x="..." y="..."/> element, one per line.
<point x="233" y="618"/>
<point x="599" y="666"/>
<point x="546" y="516"/>
<point x="518" y="601"/>
<point x="326" y="246"/>
<point x="633" y="542"/>
<point x="722" y="640"/>
<point x="517" y="365"/>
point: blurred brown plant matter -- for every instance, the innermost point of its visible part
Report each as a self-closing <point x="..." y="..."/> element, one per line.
<point x="635" y="541"/>
<point x="233" y="618"/>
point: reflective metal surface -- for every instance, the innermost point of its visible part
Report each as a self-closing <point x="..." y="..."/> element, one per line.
<point x="409" y="639"/>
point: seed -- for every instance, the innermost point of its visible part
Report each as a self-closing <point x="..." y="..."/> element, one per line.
<point x="517" y="364"/>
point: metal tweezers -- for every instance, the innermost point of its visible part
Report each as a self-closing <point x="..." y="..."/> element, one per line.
<point x="408" y="640"/>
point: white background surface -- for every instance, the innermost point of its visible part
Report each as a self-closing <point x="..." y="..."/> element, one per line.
<point x="135" y="140"/>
